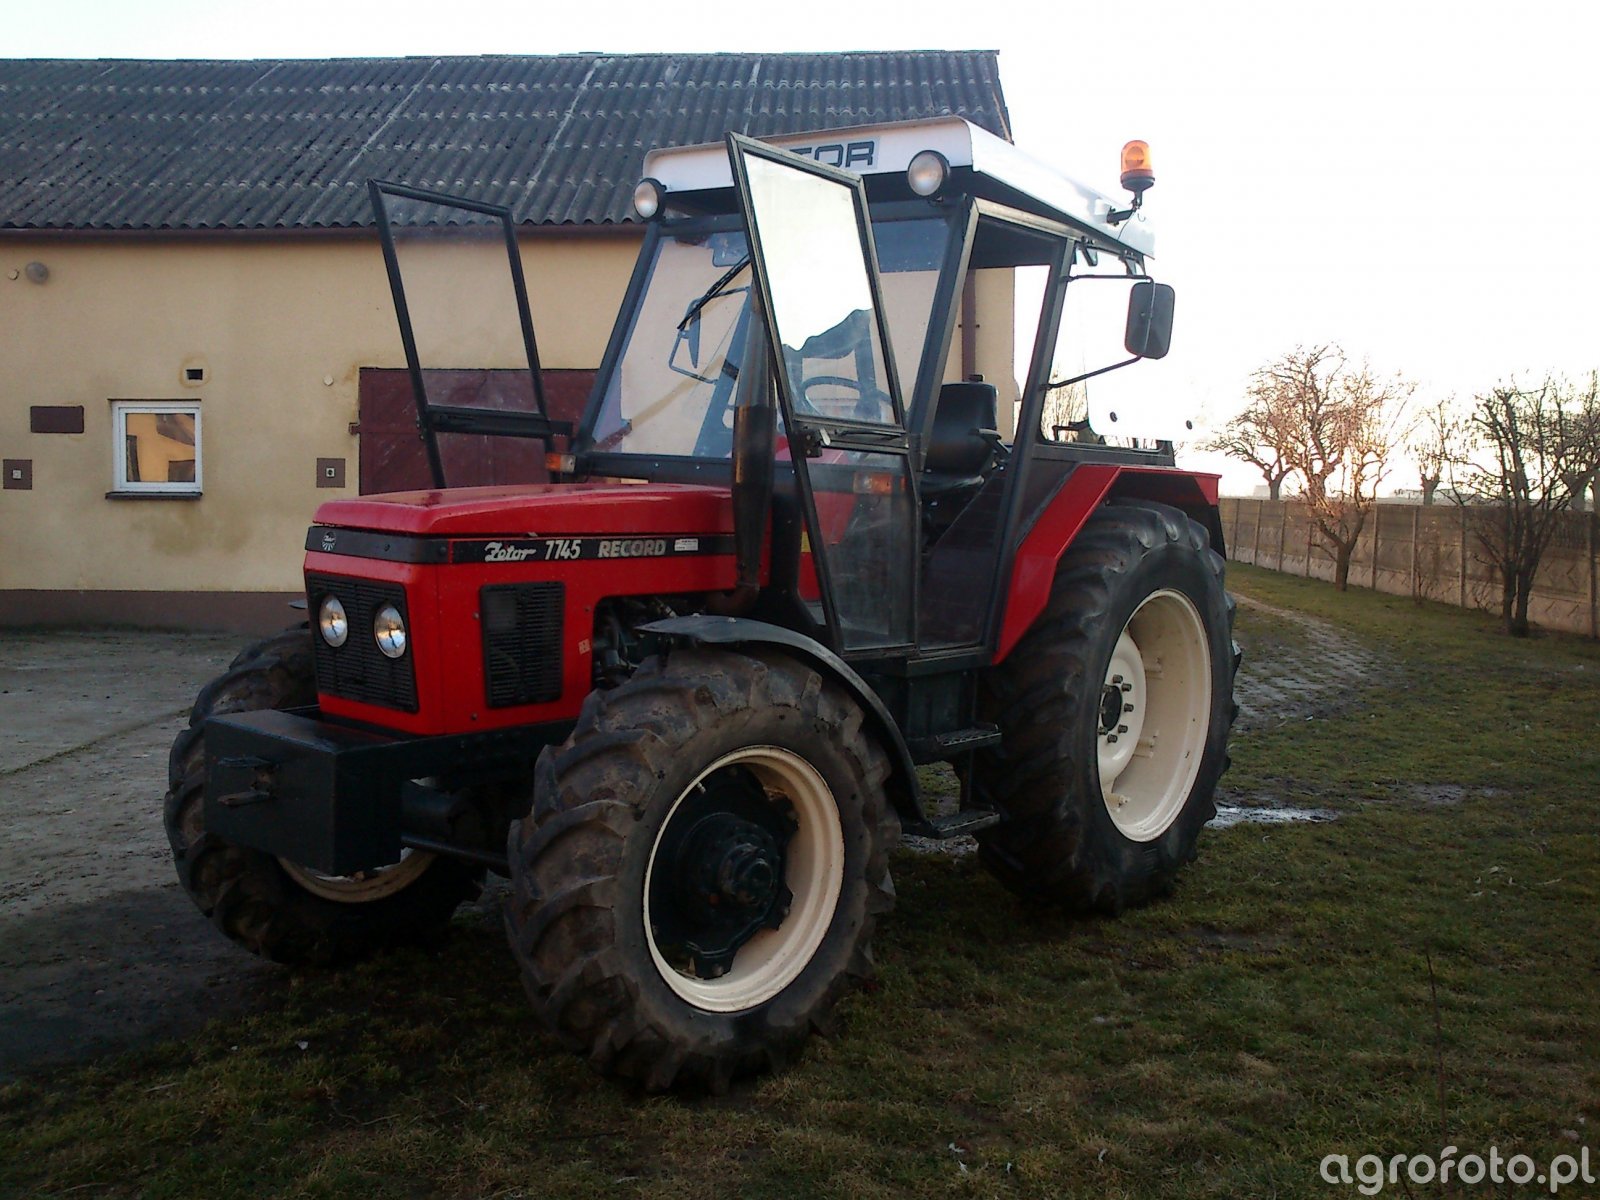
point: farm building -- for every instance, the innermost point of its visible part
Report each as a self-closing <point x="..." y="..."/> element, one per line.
<point x="199" y="344"/>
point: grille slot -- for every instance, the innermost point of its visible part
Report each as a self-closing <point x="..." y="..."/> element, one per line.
<point x="358" y="670"/>
<point x="522" y="642"/>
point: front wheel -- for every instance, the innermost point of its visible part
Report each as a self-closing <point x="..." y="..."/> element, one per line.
<point x="1114" y="712"/>
<point x="271" y="906"/>
<point x="698" y="882"/>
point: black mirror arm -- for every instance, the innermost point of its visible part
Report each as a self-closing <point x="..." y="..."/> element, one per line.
<point x="1061" y="383"/>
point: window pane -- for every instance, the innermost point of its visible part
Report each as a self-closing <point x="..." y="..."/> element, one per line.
<point x="461" y="301"/>
<point x="821" y="294"/>
<point x="160" y="447"/>
<point x="673" y="392"/>
<point x="864" y="515"/>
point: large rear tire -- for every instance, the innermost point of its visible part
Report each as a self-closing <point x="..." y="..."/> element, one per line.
<point x="1114" y="712"/>
<point x="272" y="907"/>
<point x="698" y="882"/>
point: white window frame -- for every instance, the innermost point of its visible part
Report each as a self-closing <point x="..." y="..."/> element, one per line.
<point x="120" y="410"/>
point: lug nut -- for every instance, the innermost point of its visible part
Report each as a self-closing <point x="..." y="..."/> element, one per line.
<point x="1127" y="687"/>
<point x="1127" y="708"/>
<point x="1111" y="737"/>
<point x="1122" y="729"/>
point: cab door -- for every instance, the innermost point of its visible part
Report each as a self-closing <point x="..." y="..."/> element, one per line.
<point x="817" y="289"/>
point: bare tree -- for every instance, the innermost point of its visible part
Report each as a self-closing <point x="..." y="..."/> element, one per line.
<point x="1313" y="414"/>
<point x="1537" y="444"/>
<point x="1439" y="444"/>
<point x="1262" y="435"/>
<point x="1066" y="412"/>
<point x="1353" y="422"/>
<point x="1579" y="416"/>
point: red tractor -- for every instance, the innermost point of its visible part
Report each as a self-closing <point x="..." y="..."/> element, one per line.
<point x="680" y="693"/>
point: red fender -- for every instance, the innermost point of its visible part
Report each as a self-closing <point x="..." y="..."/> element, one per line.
<point x="1033" y="571"/>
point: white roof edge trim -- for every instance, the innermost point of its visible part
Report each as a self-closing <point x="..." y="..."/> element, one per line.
<point x="887" y="149"/>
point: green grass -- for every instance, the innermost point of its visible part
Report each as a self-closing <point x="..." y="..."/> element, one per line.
<point x="1276" y="1009"/>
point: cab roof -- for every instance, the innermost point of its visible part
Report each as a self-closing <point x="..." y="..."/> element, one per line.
<point x="981" y="163"/>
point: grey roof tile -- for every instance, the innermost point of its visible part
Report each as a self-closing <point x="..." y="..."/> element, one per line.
<point x="288" y="144"/>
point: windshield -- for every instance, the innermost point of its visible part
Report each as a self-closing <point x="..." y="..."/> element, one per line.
<point x="672" y="388"/>
<point x="671" y="391"/>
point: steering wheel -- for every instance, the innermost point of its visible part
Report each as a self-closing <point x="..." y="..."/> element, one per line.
<point x="872" y="404"/>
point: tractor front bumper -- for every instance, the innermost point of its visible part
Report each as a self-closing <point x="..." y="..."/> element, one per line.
<point x="341" y="798"/>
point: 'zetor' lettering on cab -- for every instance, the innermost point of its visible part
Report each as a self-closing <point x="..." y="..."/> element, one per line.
<point x="632" y="547"/>
<point x="849" y="155"/>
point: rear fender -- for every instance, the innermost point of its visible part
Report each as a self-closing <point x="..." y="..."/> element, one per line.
<point x="741" y="631"/>
<point x="1033" y="570"/>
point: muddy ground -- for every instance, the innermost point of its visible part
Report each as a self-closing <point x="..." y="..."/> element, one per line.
<point x="100" y="950"/>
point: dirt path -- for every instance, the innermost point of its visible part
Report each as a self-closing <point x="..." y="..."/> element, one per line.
<point x="99" y="947"/>
<point x="1295" y="666"/>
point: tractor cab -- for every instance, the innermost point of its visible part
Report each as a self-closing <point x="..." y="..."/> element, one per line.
<point x="804" y="327"/>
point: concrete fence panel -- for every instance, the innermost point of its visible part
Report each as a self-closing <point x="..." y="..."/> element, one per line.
<point x="1427" y="551"/>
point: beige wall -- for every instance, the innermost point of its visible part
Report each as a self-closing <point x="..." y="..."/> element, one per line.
<point x="272" y="321"/>
<point x="282" y="327"/>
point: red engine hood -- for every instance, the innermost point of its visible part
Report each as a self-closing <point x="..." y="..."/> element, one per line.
<point x="539" y="510"/>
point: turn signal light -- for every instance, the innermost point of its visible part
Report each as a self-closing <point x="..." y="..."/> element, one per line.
<point x="560" y="464"/>
<point x="1137" y="174"/>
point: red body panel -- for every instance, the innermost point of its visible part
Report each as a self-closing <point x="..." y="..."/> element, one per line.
<point x="442" y="598"/>
<point x="1033" y="570"/>
<point x="539" y="510"/>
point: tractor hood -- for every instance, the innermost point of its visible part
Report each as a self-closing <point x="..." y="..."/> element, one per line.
<point x="538" y="510"/>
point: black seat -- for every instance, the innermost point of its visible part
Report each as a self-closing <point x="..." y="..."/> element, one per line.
<point x="958" y="454"/>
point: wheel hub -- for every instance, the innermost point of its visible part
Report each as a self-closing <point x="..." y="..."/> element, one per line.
<point x="718" y="878"/>
<point x="1111" y="708"/>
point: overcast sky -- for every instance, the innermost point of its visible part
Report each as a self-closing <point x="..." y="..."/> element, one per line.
<point x="1413" y="180"/>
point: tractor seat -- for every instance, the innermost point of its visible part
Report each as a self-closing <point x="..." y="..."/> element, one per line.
<point x="957" y="454"/>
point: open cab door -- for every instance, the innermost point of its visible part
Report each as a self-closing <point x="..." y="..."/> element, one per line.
<point x="817" y="290"/>
<point x="462" y="303"/>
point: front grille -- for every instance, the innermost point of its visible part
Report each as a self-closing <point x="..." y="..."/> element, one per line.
<point x="522" y="642"/>
<point x="358" y="670"/>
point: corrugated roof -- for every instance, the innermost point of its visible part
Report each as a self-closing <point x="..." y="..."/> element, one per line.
<point x="289" y="144"/>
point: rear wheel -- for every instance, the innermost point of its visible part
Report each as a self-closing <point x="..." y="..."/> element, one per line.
<point x="705" y="861"/>
<point x="1114" y="712"/>
<point x="271" y="906"/>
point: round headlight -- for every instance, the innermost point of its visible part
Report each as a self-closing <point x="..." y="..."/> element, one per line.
<point x="331" y="621"/>
<point x="647" y="197"/>
<point x="389" y="630"/>
<point x="927" y="172"/>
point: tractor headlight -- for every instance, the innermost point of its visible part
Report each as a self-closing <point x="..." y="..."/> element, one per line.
<point x="331" y="621"/>
<point x="389" y="631"/>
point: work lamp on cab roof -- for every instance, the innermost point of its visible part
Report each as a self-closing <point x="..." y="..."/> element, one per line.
<point x="927" y="172"/>
<point x="648" y="195"/>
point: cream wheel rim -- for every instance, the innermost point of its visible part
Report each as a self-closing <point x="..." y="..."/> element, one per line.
<point x="364" y="886"/>
<point x="771" y="959"/>
<point x="1155" y="714"/>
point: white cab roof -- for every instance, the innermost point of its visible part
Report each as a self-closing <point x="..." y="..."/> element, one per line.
<point x="888" y="149"/>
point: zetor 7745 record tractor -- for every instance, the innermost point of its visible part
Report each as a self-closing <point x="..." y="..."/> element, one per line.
<point x="680" y="692"/>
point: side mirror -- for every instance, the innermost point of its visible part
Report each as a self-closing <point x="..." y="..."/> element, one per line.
<point x="1149" y="332"/>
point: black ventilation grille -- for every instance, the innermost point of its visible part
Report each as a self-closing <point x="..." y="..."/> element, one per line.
<point x="522" y="642"/>
<point x="358" y="670"/>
